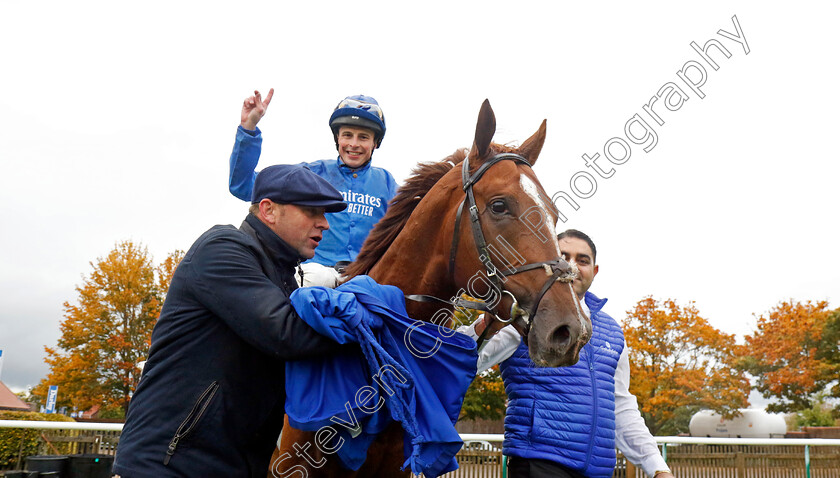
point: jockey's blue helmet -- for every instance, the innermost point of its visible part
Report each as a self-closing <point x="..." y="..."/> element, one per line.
<point x="362" y="111"/>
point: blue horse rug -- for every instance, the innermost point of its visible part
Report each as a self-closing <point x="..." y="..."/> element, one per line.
<point x="410" y="371"/>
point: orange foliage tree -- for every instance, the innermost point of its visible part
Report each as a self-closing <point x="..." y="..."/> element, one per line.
<point x="679" y="364"/>
<point x="794" y="354"/>
<point x="108" y="331"/>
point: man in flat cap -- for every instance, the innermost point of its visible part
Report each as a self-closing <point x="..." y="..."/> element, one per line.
<point x="211" y="398"/>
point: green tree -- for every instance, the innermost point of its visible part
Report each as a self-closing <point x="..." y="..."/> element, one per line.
<point x="794" y="354"/>
<point x="486" y="396"/>
<point x="18" y="443"/>
<point x="108" y="330"/>
<point x="819" y="415"/>
<point x="679" y="365"/>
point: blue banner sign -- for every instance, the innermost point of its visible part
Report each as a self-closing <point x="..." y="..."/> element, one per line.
<point x="51" y="397"/>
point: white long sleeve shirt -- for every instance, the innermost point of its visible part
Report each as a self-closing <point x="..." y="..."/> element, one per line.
<point x="632" y="436"/>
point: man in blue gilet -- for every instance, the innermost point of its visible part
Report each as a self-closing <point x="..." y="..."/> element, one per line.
<point x="358" y="127"/>
<point x="566" y="422"/>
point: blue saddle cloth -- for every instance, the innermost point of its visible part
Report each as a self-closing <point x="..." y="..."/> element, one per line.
<point x="417" y="370"/>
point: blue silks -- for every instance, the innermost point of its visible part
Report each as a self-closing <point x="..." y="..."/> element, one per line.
<point x="419" y="371"/>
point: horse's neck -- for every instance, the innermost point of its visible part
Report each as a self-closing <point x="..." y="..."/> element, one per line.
<point x="414" y="274"/>
<point x="418" y="262"/>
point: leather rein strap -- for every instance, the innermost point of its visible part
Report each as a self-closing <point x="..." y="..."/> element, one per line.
<point x="558" y="269"/>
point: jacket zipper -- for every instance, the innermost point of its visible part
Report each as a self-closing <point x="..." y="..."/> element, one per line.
<point x="591" y="359"/>
<point x="192" y="419"/>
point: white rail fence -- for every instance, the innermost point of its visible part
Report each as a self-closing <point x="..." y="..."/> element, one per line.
<point x="688" y="456"/>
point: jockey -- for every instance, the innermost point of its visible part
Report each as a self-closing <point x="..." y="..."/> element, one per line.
<point x="358" y="127"/>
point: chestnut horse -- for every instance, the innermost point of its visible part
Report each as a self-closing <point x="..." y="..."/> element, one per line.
<point x="503" y="251"/>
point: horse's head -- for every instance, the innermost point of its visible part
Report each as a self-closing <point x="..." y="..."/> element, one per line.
<point x="509" y="237"/>
<point x="480" y="223"/>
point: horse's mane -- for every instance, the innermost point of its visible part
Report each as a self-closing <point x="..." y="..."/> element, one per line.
<point x="423" y="177"/>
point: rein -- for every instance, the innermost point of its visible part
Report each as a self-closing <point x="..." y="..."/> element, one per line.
<point x="558" y="269"/>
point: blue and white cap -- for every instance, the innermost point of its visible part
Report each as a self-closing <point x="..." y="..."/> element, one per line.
<point x="362" y="111"/>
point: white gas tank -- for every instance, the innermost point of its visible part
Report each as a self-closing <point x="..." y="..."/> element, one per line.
<point x="751" y="424"/>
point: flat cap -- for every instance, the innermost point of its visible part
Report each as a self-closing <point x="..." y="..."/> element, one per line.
<point x="296" y="184"/>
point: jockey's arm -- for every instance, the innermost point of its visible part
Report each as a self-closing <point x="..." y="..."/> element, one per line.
<point x="317" y="275"/>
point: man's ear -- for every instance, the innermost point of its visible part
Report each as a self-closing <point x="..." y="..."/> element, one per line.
<point x="267" y="211"/>
<point x="595" y="271"/>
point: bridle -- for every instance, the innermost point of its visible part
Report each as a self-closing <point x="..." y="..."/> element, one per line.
<point x="558" y="269"/>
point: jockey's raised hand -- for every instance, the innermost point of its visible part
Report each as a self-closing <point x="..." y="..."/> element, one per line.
<point x="253" y="109"/>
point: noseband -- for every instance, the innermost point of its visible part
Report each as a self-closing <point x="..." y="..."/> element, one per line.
<point x="558" y="269"/>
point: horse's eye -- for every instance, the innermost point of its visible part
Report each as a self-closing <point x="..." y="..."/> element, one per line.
<point x="498" y="207"/>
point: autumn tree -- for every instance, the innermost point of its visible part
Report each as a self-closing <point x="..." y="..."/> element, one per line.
<point x="794" y="354"/>
<point x="486" y="397"/>
<point x="679" y="365"/>
<point x="108" y="330"/>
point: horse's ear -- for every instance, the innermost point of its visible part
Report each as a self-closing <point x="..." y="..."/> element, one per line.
<point x="532" y="146"/>
<point x="485" y="128"/>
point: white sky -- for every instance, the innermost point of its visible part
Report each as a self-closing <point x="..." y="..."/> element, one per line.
<point x="117" y="121"/>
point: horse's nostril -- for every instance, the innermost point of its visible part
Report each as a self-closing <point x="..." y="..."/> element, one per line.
<point x="561" y="335"/>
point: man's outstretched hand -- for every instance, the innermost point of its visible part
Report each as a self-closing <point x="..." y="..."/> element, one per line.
<point x="253" y="109"/>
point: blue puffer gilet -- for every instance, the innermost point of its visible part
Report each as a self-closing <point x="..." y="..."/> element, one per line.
<point x="551" y="414"/>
